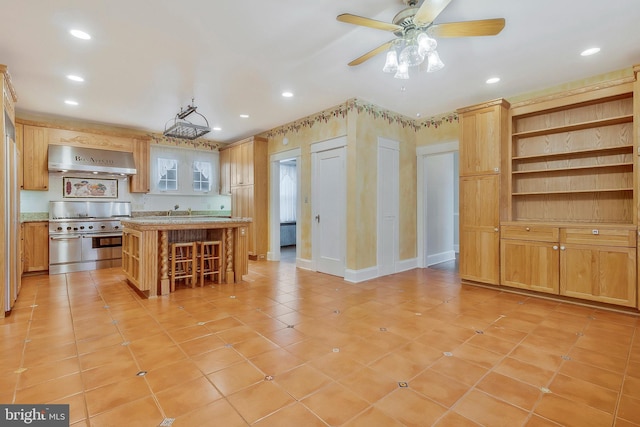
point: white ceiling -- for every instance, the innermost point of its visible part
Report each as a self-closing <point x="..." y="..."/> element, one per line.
<point x="147" y="59"/>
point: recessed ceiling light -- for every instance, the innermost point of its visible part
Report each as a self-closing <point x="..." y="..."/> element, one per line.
<point x="418" y="114"/>
<point x="493" y="80"/>
<point x="217" y="128"/>
<point x="71" y="102"/>
<point x="244" y="116"/>
<point x="590" y="51"/>
<point x="287" y="94"/>
<point x="80" y="34"/>
<point x="75" y="78"/>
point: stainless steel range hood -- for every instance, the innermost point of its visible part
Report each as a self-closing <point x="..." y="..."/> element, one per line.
<point x="63" y="158"/>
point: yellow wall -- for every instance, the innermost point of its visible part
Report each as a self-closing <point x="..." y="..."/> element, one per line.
<point x="327" y="124"/>
<point x="362" y="123"/>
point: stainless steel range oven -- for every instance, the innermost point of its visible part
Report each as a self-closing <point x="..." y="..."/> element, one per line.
<point x="85" y="235"/>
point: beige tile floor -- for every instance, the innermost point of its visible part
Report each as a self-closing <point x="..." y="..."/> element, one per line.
<point x="288" y="347"/>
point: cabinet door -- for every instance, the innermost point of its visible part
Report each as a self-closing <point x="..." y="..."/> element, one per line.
<point x="479" y="232"/>
<point x="34" y="158"/>
<point x="242" y="206"/>
<point x="599" y="273"/>
<point x="225" y="172"/>
<point x="530" y="265"/>
<point x="235" y="166"/>
<point x="19" y="147"/>
<point x="246" y="151"/>
<point x="480" y="141"/>
<point x="35" y="246"/>
<point x="140" y="182"/>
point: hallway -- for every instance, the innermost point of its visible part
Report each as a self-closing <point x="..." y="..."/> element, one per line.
<point x="288" y="347"/>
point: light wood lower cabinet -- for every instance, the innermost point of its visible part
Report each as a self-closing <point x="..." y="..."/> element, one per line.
<point x="131" y="255"/>
<point x="599" y="273"/>
<point x="530" y="265"/>
<point x="590" y="263"/>
<point x="35" y="246"/>
<point x="479" y="229"/>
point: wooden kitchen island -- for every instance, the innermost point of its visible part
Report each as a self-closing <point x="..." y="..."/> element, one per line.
<point x="145" y="247"/>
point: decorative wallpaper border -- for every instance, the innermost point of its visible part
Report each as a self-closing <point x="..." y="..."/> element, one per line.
<point x="437" y="122"/>
<point x="198" y="144"/>
<point x="360" y="106"/>
<point x="339" y="111"/>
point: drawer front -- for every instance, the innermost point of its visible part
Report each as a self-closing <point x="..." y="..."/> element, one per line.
<point x="538" y="233"/>
<point x="599" y="236"/>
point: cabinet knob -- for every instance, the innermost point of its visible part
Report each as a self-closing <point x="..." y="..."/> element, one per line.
<point x="495" y="229"/>
<point x="528" y="229"/>
<point x="562" y="248"/>
<point x="555" y="247"/>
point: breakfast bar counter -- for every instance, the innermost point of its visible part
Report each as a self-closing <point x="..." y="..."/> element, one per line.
<point x="146" y="240"/>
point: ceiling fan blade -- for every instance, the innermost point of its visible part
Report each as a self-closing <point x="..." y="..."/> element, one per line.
<point x="371" y="53"/>
<point x="429" y="11"/>
<point x="367" y="22"/>
<point x="484" y="27"/>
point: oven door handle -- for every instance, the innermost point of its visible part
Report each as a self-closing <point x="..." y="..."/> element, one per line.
<point x="65" y="237"/>
<point x="89" y="236"/>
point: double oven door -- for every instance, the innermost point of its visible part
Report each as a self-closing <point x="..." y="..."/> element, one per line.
<point x="81" y="252"/>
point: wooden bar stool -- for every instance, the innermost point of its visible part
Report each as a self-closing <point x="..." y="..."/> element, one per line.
<point x="210" y="260"/>
<point x="183" y="263"/>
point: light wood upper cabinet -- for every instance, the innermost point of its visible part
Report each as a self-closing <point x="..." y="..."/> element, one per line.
<point x="248" y="186"/>
<point x="483" y="130"/>
<point x="35" y="246"/>
<point x="225" y="172"/>
<point x="140" y="182"/>
<point x="34" y="158"/>
<point x="241" y="161"/>
<point x="19" y="146"/>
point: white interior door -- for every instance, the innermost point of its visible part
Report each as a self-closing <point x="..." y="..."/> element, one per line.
<point x="388" y="210"/>
<point x="329" y="211"/>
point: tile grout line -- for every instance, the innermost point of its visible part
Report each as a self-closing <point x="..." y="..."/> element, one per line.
<point x="635" y="335"/>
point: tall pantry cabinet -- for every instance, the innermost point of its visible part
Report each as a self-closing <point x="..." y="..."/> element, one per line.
<point x="10" y="263"/>
<point x="483" y="132"/>
<point x="243" y="168"/>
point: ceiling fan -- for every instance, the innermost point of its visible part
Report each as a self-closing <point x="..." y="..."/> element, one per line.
<point x="413" y="27"/>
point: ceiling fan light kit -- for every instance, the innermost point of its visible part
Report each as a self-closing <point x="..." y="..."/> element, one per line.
<point x="414" y="30"/>
<point x="412" y="50"/>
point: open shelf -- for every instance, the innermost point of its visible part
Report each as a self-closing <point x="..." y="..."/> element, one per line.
<point x="576" y="126"/>
<point x="591" y="151"/>
<point x="575" y="168"/>
<point x="542" y="193"/>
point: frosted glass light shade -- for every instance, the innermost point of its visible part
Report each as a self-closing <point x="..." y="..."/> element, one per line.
<point x="411" y="55"/>
<point x="435" y="63"/>
<point x="403" y="71"/>
<point x="426" y="44"/>
<point x="391" y="64"/>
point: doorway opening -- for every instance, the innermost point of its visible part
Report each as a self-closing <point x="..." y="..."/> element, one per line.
<point x="288" y="209"/>
<point x="438" y="207"/>
<point x="284" y="206"/>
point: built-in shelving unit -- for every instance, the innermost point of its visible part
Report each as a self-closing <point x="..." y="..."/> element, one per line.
<point x="574" y="161"/>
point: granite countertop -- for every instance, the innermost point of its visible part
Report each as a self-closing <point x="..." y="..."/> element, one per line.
<point x="34" y="216"/>
<point x="184" y="220"/>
